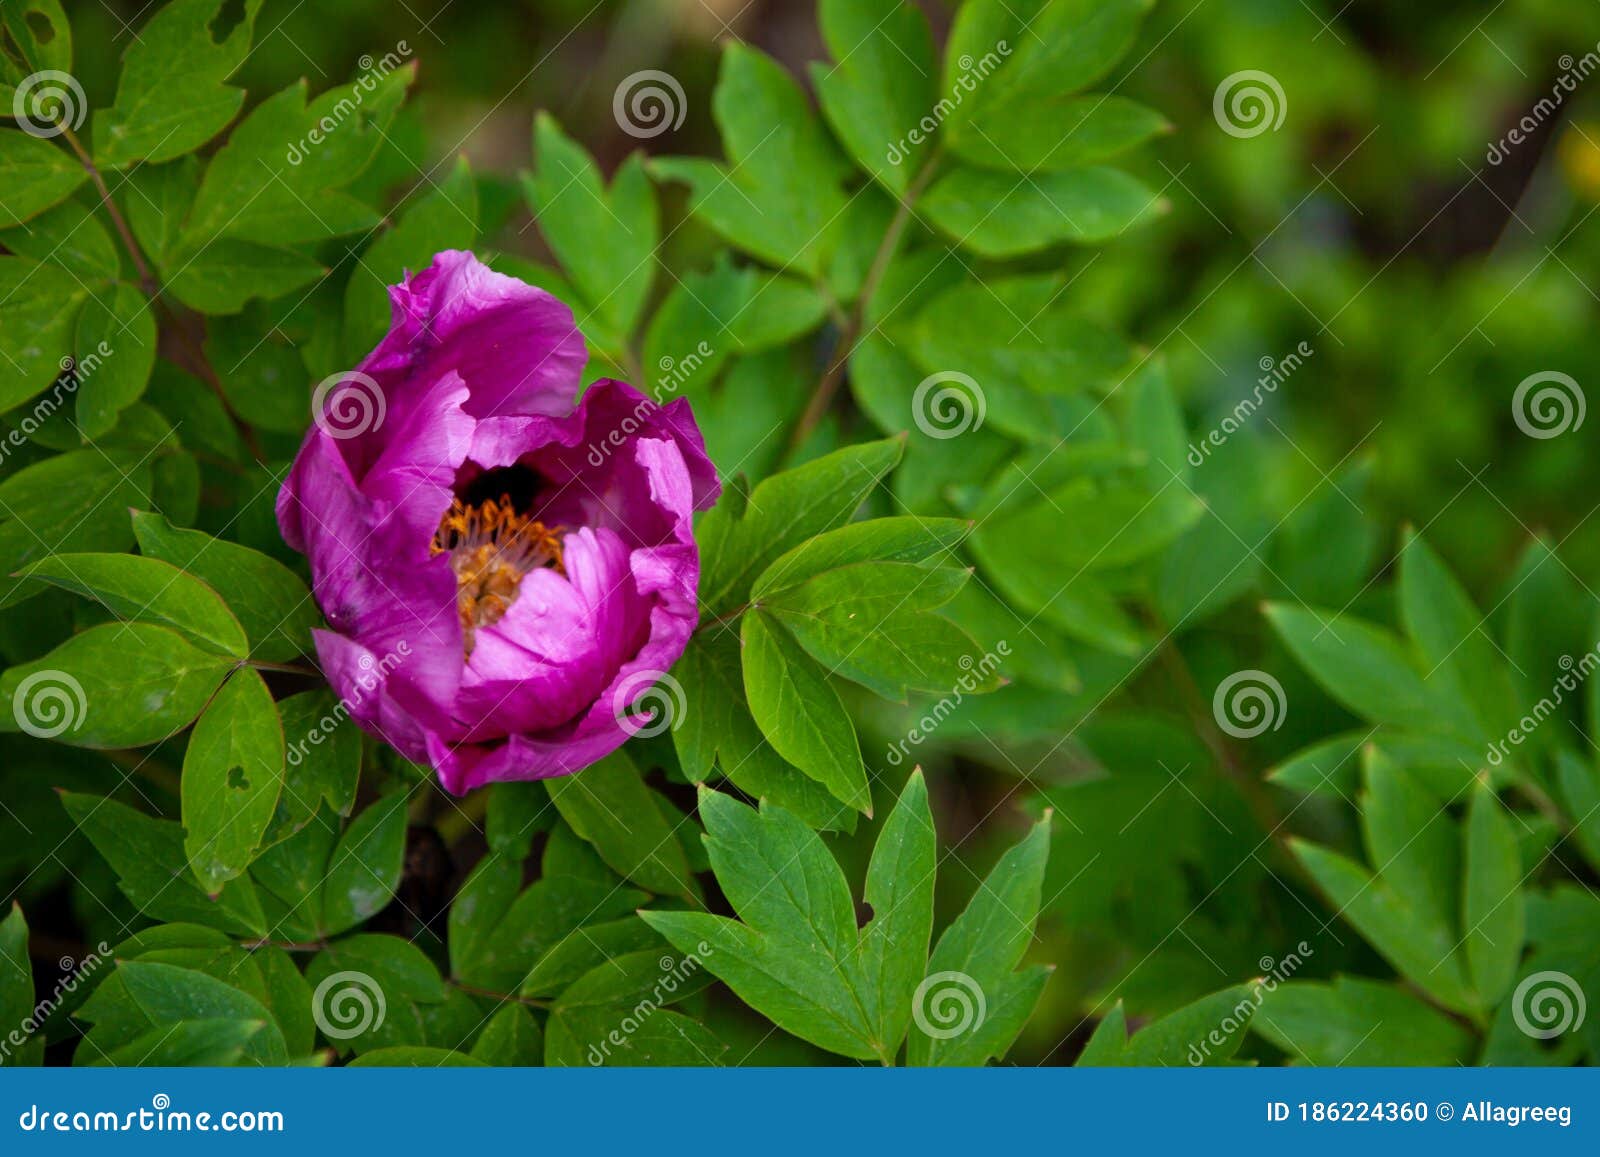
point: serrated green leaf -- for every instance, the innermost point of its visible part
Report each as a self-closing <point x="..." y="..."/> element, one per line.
<point x="279" y="179"/>
<point x="971" y="1004"/>
<point x="880" y="86"/>
<point x="1389" y="924"/>
<point x="171" y="98"/>
<point x="605" y="238"/>
<point x="739" y="541"/>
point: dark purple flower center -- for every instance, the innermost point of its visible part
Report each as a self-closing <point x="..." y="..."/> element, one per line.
<point x="493" y="541"/>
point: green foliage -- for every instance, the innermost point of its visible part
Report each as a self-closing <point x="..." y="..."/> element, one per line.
<point x="1009" y="522"/>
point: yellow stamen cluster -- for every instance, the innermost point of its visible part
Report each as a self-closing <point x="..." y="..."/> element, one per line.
<point x="491" y="547"/>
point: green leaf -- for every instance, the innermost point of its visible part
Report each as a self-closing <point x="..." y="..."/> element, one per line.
<point x="1453" y="637"/>
<point x="995" y="215"/>
<point x="416" y="1057"/>
<point x="272" y="605"/>
<point x="1324" y="550"/>
<point x="115" y="352"/>
<point x="511" y="1038"/>
<point x="586" y="949"/>
<point x="971" y="1004"/>
<point x="1362" y="667"/>
<point x="42" y="33"/>
<point x="1016" y="60"/>
<point x="1208" y="1031"/>
<point x="36" y="175"/>
<point x="593" y="1035"/>
<point x="445" y="217"/>
<point x="1491" y="904"/>
<point x="517" y="811"/>
<point x="794" y="958"/>
<point x="899" y="890"/>
<point x="219" y="277"/>
<point x="190" y="1043"/>
<point x="1026" y="346"/>
<point x="322" y="759"/>
<point x="171" y="98"/>
<point x="1107" y="529"/>
<point x="709" y="316"/>
<point x="1389" y="924"/>
<point x="718" y="732"/>
<point x="70" y="235"/>
<point x="1065" y="133"/>
<point x="604" y="238"/>
<point x="609" y="805"/>
<point x="39" y="306"/>
<point x="499" y="937"/>
<point x="159" y="203"/>
<point x="144" y="995"/>
<point x="871" y="622"/>
<point x="800" y="713"/>
<point x="232" y="774"/>
<point x="903" y="538"/>
<point x="738" y="541"/>
<point x="152" y="868"/>
<point x="1360" y="1023"/>
<point x="280" y="178"/>
<point x="1579" y="782"/>
<point x="880" y="86"/>
<point x="1414" y="844"/>
<point x="365" y="869"/>
<point x="16" y="978"/>
<point x="115" y="685"/>
<point x="779" y="195"/>
<point x="375" y="991"/>
<point x="150" y="591"/>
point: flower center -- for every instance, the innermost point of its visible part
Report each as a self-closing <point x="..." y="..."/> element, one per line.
<point x="491" y="547"/>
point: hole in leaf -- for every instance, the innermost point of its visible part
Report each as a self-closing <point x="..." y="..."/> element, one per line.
<point x="229" y="17"/>
<point x="237" y="780"/>
<point x="39" y="25"/>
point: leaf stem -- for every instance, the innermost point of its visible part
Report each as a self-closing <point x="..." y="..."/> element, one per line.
<point x="196" y="361"/>
<point x="850" y="332"/>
